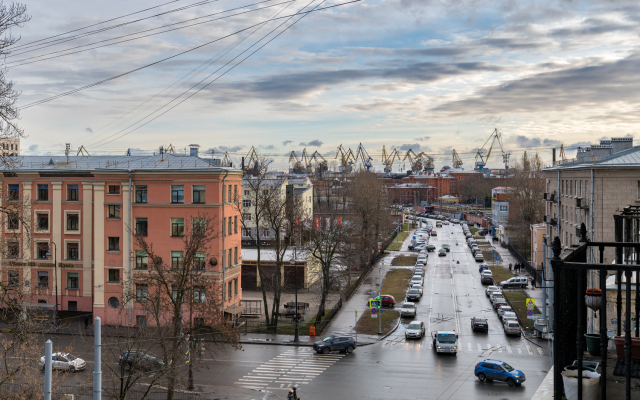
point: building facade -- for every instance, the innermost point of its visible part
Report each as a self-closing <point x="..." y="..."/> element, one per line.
<point x="500" y="206"/>
<point x="85" y="211"/>
<point x="537" y="235"/>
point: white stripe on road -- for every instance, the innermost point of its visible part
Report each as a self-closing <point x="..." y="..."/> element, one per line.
<point x="479" y="347"/>
<point x="509" y="348"/>
<point x="469" y="345"/>
<point x="499" y="349"/>
<point x="540" y="351"/>
<point x="488" y="345"/>
<point x="519" y="349"/>
<point x="529" y="349"/>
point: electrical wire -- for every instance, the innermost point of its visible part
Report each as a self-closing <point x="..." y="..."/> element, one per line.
<point x="39" y="58"/>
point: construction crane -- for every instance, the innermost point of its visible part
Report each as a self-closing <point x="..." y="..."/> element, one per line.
<point x="346" y="159"/>
<point x="387" y="159"/>
<point x="414" y="161"/>
<point x="82" y="150"/>
<point x="362" y="155"/>
<point x="296" y="165"/>
<point x="226" y="161"/>
<point x="321" y="164"/>
<point x="482" y="155"/>
<point x="427" y="161"/>
<point x="306" y="161"/>
<point x="562" y="156"/>
<point x="250" y="162"/>
<point x="457" y="162"/>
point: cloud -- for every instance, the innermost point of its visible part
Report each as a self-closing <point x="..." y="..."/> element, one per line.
<point x="230" y="149"/>
<point x="313" y="143"/>
<point x="527" y="143"/>
<point x="33" y="147"/>
<point x="423" y="138"/>
<point x="88" y="130"/>
<point x="415" y="147"/>
<point x="269" y="147"/>
<point x="286" y="142"/>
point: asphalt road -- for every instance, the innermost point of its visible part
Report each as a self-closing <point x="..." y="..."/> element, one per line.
<point x="393" y="368"/>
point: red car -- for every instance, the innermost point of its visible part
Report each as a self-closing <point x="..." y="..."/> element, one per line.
<point x="434" y="233"/>
<point x="388" y="300"/>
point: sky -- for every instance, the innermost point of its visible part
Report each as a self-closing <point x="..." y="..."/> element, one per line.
<point x="426" y="75"/>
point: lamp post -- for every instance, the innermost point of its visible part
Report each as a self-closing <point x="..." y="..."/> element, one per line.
<point x="55" y="277"/>
<point x="190" y="341"/>
<point x="295" y="284"/>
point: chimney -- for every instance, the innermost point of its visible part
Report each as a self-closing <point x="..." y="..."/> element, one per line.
<point x="193" y="150"/>
<point x="553" y="156"/>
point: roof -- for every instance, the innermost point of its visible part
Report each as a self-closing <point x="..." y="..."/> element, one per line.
<point x="167" y="161"/>
<point x="270" y="255"/>
<point x="412" y="185"/>
<point x="625" y="158"/>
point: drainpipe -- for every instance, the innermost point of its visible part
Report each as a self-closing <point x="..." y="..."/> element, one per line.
<point x="592" y="249"/>
<point x="130" y="248"/>
<point x="226" y="173"/>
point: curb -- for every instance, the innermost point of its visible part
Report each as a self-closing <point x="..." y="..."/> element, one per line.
<point x="263" y="341"/>
<point x="391" y="331"/>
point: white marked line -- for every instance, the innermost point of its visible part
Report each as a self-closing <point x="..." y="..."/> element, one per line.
<point x="469" y="345"/>
<point x="488" y="345"/>
<point x="479" y="347"/>
<point x="519" y="349"/>
<point x="529" y="350"/>
<point x="540" y="351"/>
<point x="508" y="348"/>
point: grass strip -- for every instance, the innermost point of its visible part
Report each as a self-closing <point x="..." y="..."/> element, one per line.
<point x="369" y="326"/>
<point x="517" y="299"/>
<point x="404" y="261"/>
<point x="396" y="283"/>
<point x="500" y="273"/>
<point x="396" y="245"/>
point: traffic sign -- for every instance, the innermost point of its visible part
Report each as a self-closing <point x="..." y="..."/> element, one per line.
<point x="374" y="313"/>
<point x="373" y="304"/>
<point x="497" y="258"/>
<point x="529" y="313"/>
<point x="531" y="302"/>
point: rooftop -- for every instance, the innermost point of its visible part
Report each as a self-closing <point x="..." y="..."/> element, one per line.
<point x="624" y="158"/>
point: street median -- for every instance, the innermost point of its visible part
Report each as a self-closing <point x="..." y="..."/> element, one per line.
<point x="395" y="283"/>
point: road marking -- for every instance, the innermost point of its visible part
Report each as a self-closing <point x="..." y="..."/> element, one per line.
<point x="488" y="345"/>
<point x="540" y="351"/>
<point x="509" y="348"/>
<point x="469" y="345"/>
<point x="499" y="349"/>
<point x="479" y="347"/>
<point x="529" y="349"/>
<point x="519" y="349"/>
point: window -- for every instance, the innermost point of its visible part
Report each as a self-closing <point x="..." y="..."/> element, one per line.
<point x="13" y="250"/>
<point x="43" y="221"/>
<point x="141" y="193"/>
<point x="114" y="275"/>
<point x="200" y="261"/>
<point x="43" y="279"/>
<point x="199" y="295"/>
<point x="504" y="208"/>
<point x="177" y="226"/>
<point x="72" y="280"/>
<point x="229" y="258"/>
<point x="142" y="259"/>
<point x="229" y="292"/>
<point x="13" y="222"/>
<point x="114" y="189"/>
<point x="199" y="194"/>
<point x="247" y="216"/>
<point x="265" y="193"/>
<point x="13" y="278"/>
<point x="246" y="232"/>
<point x="246" y="192"/>
<point x="43" y="192"/>
<point x="235" y="224"/>
<point x="141" y="226"/>
<point x="199" y="226"/>
<point x="72" y="251"/>
<point x="43" y="249"/>
<point x="177" y="193"/>
<point x="114" y="243"/>
<point x="229" y="194"/>
<point x="114" y="212"/>
<point x="230" y="226"/>
<point x="177" y="259"/>
<point x="72" y="192"/>
<point x="142" y="293"/>
<point x="235" y="255"/>
<point x="235" y="192"/>
<point x="246" y="203"/>
<point x="14" y="191"/>
<point x="235" y="286"/>
<point x="72" y="222"/>
<point x="115" y="303"/>
<point x="174" y="293"/>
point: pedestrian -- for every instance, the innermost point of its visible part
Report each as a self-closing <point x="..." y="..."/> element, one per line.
<point x="510" y="265"/>
<point x="86" y="321"/>
<point x="533" y="283"/>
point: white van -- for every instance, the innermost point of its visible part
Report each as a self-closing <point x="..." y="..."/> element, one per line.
<point x="516" y="281"/>
<point x="445" y="342"/>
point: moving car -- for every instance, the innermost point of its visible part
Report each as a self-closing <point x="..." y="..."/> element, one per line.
<point x="140" y="359"/>
<point x="65" y="361"/>
<point x="516" y="281"/>
<point x="511" y="327"/>
<point x="413" y="295"/>
<point x="479" y="324"/>
<point x="408" y="310"/>
<point x="442" y="252"/>
<point x="445" y="342"/>
<point x="494" y="370"/>
<point x="431" y="247"/>
<point x="446" y="247"/>
<point x="341" y="342"/>
<point x="491" y="289"/>
<point x="415" y="330"/>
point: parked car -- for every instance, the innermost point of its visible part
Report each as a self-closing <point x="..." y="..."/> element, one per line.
<point x="486" y="279"/>
<point x="511" y="327"/>
<point x="418" y="270"/>
<point x="442" y="253"/>
<point x="413" y="295"/>
<point x="494" y="370"/>
<point x="434" y="233"/>
<point x="499" y="302"/>
<point x="508" y="315"/>
<point x="417" y="287"/>
<point x="479" y="324"/>
<point x="140" y="359"/>
<point x="479" y="256"/>
<point x="491" y="289"/>
<point x="495" y="295"/>
<point x="417" y="279"/>
<point x="446" y="247"/>
<point x="503" y="309"/>
<point x="341" y="342"/>
<point x="64" y="361"/>
<point x="408" y="310"/>
<point x="446" y="222"/>
<point x="431" y="247"/>
<point x="387" y="300"/>
<point x="415" y="329"/>
<point x="516" y="281"/>
<point x="482" y="267"/>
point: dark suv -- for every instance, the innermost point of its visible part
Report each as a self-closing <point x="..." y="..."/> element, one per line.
<point x="340" y="342"/>
<point x="141" y="359"/>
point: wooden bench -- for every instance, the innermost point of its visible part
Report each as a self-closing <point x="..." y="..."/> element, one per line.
<point x="40" y="318"/>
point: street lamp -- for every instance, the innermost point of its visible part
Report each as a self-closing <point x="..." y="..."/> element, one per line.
<point x="295" y="284"/>
<point x="55" y="277"/>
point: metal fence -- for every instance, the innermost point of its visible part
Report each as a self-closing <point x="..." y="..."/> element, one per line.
<point x="537" y="275"/>
<point x="86" y="393"/>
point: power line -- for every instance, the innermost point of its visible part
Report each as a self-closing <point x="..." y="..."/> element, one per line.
<point x="220" y="76"/>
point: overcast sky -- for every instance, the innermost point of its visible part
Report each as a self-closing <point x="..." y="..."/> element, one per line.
<point x="430" y="75"/>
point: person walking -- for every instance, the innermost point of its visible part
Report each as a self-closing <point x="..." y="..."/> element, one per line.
<point x="510" y="265"/>
<point x="86" y="321"/>
<point x="533" y="282"/>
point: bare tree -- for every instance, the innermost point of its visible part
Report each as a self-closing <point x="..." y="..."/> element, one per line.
<point x="183" y="289"/>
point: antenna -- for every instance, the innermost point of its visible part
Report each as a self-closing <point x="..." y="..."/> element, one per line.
<point x="67" y="148"/>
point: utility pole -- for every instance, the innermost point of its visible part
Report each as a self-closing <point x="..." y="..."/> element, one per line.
<point x="47" y="369"/>
<point x="97" y="356"/>
<point x="380" y="299"/>
<point x="295" y="270"/>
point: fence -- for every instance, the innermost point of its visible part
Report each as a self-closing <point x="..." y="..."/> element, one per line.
<point x="86" y="393"/>
<point x="537" y="275"/>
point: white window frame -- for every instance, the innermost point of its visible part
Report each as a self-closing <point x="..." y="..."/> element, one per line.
<point x="66" y="256"/>
<point x="68" y="232"/>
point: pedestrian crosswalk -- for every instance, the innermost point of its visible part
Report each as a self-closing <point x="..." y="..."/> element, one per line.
<point x="488" y="348"/>
<point x="293" y="367"/>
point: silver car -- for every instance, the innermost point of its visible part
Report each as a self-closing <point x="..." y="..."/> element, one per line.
<point x="408" y="309"/>
<point x="511" y="327"/>
<point x="415" y="330"/>
<point x="65" y="361"/>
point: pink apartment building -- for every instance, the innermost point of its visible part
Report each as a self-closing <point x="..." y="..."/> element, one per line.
<point x="84" y="209"/>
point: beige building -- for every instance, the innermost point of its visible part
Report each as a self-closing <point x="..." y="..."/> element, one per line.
<point x="537" y="233"/>
<point x="308" y="269"/>
<point x="10" y="146"/>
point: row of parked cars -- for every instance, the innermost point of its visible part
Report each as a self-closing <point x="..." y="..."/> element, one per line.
<point x="475" y="249"/>
<point x="506" y="314"/>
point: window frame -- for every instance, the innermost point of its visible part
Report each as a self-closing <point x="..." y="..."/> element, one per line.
<point x="246" y="203"/>
<point x="68" y="250"/>
<point x="39" y="215"/>
<point x="246" y="217"/>
<point x="73" y="192"/>
<point x="200" y="261"/>
<point x="13" y="278"/>
<point x="176" y="198"/>
<point x="113" y="240"/>
<point x="13" y="191"/>
<point x="69" y="219"/>
<point x="142" y="292"/>
<point x="139" y="222"/>
<point x="199" y="192"/>
<point x="69" y="281"/>
<point x="177" y="262"/>
<point x="13" y="221"/>
<point x="113" y="211"/>
<point x="41" y="274"/>
<point x="141" y="194"/>
<point x="111" y="270"/>
<point x="177" y="227"/>
<point x="41" y="246"/>
<point x="142" y="260"/>
<point x="116" y="192"/>
<point x="43" y="188"/>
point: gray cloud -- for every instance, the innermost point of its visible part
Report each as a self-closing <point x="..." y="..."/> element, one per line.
<point x="423" y="138"/>
<point x="407" y="146"/>
<point x="286" y="142"/>
<point x="88" y="130"/>
<point x="313" y="143"/>
<point x="269" y="147"/>
<point x="33" y="147"/>
<point x="527" y="143"/>
<point x="231" y="149"/>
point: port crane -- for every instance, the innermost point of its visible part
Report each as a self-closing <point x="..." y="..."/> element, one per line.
<point x="482" y="155"/>
<point x="387" y="159"/>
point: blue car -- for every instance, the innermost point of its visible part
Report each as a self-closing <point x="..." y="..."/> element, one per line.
<point x="494" y="370"/>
